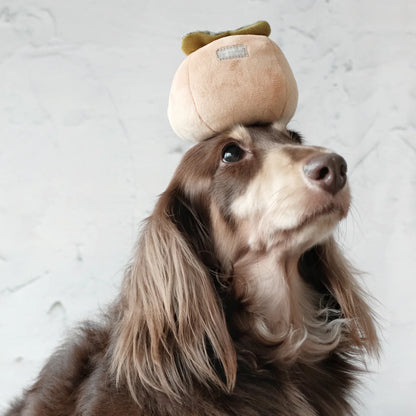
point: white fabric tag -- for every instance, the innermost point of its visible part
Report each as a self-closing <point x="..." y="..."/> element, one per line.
<point x="232" y="52"/>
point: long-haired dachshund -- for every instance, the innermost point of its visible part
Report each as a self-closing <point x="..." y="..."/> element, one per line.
<point x="237" y="301"/>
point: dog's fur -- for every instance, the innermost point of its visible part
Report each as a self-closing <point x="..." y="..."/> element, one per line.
<point x="237" y="301"/>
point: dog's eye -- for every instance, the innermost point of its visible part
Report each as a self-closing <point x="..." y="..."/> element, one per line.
<point x="232" y="153"/>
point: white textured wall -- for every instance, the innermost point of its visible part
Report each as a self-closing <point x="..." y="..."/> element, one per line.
<point x="85" y="148"/>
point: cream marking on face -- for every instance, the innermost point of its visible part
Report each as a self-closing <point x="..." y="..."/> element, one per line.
<point x="241" y="135"/>
<point x="280" y="199"/>
<point x="275" y="190"/>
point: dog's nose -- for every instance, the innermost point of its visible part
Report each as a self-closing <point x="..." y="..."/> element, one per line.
<point x="328" y="171"/>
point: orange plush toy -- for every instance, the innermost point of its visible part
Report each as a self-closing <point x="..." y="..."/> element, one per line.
<point x="228" y="78"/>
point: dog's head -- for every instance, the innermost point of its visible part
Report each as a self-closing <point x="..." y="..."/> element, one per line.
<point x="262" y="188"/>
<point x="248" y="216"/>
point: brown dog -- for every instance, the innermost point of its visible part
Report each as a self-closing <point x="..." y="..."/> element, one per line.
<point x="237" y="302"/>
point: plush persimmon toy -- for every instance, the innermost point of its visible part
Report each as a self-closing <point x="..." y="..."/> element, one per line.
<point x="228" y="78"/>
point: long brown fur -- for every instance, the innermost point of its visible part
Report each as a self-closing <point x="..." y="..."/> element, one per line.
<point x="221" y="311"/>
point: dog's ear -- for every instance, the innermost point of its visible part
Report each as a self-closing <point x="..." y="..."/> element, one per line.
<point x="332" y="275"/>
<point x="172" y="330"/>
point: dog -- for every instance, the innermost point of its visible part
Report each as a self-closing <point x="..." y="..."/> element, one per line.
<point x="237" y="301"/>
